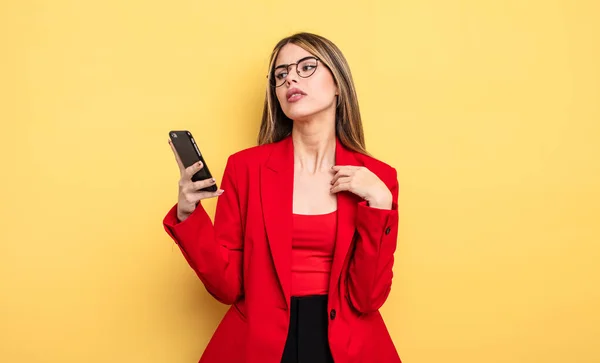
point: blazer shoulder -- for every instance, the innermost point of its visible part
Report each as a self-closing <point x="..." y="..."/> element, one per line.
<point x="384" y="171"/>
<point x="377" y="166"/>
<point x="254" y="155"/>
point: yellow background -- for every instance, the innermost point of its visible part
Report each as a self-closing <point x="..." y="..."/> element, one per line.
<point x="488" y="109"/>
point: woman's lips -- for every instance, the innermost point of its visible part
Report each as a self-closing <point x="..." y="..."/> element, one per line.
<point x="294" y="94"/>
<point x="295" y="97"/>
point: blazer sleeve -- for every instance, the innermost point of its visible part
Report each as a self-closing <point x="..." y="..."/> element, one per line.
<point x="215" y="252"/>
<point x="370" y="273"/>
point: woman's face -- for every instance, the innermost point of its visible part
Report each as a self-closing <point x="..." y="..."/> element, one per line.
<point x="300" y="98"/>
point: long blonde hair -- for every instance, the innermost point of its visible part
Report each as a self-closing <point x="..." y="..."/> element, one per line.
<point x="275" y="125"/>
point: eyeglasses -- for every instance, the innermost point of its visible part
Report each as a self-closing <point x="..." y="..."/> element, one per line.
<point x="305" y="68"/>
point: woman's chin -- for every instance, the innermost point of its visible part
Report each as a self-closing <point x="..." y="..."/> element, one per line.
<point x="299" y="115"/>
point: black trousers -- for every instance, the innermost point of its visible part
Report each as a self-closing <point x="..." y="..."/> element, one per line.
<point x="307" y="336"/>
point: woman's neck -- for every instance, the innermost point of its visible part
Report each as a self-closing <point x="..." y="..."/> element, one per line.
<point x="314" y="146"/>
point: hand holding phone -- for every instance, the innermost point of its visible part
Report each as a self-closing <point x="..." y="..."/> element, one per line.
<point x="196" y="181"/>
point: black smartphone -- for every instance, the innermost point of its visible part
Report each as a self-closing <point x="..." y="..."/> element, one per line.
<point x="188" y="152"/>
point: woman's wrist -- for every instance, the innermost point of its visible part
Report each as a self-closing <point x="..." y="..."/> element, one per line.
<point x="383" y="201"/>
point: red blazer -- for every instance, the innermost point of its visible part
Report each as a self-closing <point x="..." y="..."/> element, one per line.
<point x="244" y="260"/>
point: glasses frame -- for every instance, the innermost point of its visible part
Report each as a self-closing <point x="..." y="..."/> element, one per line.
<point x="287" y="68"/>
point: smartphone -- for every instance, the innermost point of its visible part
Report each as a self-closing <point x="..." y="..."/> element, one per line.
<point x="188" y="152"/>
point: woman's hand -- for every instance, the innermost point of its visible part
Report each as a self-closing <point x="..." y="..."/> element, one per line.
<point x="362" y="182"/>
<point x="189" y="191"/>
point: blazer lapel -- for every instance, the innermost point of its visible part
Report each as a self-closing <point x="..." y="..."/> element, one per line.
<point x="277" y="188"/>
<point x="346" y="214"/>
<point x="277" y="183"/>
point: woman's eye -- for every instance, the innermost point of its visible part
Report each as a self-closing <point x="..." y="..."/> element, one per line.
<point x="308" y="67"/>
<point x="281" y="75"/>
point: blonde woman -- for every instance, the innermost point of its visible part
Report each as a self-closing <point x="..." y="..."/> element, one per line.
<point x="306" y="224"/>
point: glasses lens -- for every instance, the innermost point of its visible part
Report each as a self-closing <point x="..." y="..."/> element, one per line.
<point x="307" y="67"/>
<point x="277" y="77"/>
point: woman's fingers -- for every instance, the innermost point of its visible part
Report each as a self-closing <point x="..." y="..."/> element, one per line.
<point x="192" y="169"/>
<point x="341" y="180"/>
<point x="201" y="184"/>
<point x="342" y="171"/>
<point x="206" y="195"/>
<point x="339" y="187"/>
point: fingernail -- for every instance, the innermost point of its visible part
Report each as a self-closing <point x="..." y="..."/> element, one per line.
<point x="212" y="180"/>
<point x="199" y="163"/>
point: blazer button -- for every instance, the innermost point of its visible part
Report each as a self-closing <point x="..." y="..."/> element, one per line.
<point x="332" y="314"/>
<point x="388" y="230"/>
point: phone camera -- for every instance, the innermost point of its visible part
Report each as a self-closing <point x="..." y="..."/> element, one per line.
<point x="174" y="135"/>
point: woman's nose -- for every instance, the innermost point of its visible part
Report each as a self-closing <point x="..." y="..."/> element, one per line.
<point x="292" y="75"/>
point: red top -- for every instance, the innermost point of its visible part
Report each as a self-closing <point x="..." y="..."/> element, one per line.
<point x="313" y="242"/>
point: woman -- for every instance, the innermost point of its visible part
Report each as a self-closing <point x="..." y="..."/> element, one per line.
<point x="305" y="227"/>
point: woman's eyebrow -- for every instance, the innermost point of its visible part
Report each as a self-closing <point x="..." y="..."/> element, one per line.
<point x="299" y="60"/>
